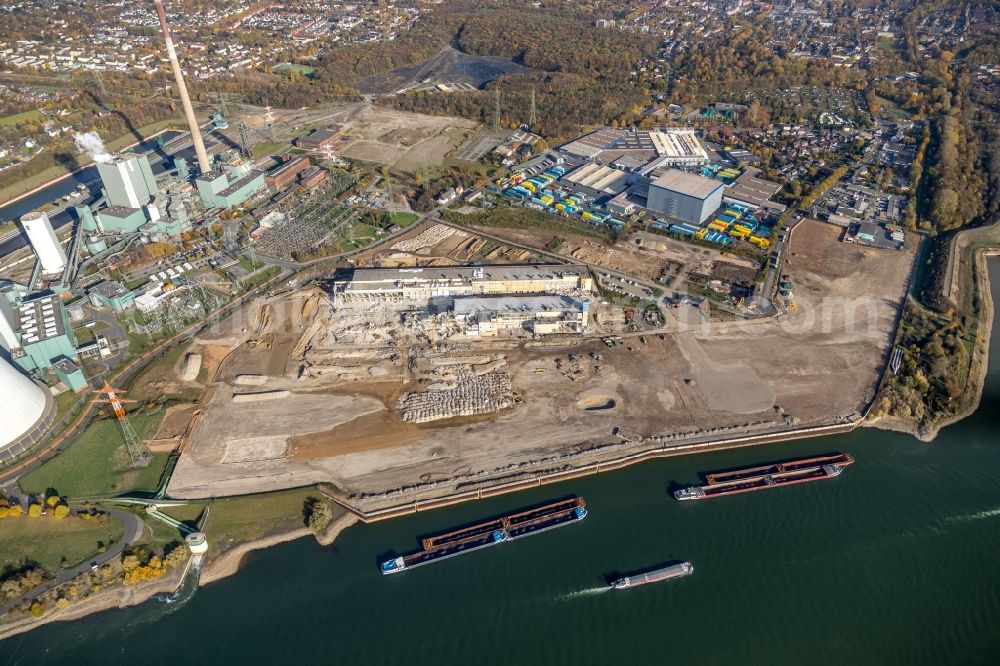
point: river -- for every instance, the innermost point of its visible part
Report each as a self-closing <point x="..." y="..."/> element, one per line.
<point x="894" y="562"/>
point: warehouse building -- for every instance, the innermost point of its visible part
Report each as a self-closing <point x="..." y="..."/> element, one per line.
<point x="491" y="316"/>
<point x="684" y="196"/>
<point x="599" y="179"/>
<point x="111" y="294"/>
<point x="281" y="177"/>
<point x="421" y="285"/>
<point x="631" y="150"/>
<point x="750" y="190"/>
<point x="320" y="139"/>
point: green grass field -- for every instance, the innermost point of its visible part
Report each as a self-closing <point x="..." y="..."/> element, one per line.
<point x="23" y="117"/>
<point x="360" y="236"/>
<point x="46" y="540"/>
<point x="265" y="148"/>
<point x="403" y="219"/>
<point x="288" y="68"/>
<point x="237" y="520"/>
<point x="260" y="277"/>
<point x="93" y="465"/>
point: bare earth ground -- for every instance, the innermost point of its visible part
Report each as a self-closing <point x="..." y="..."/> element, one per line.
<point x="408" y="142"/>
<point x="642" y="254"/>
<point x="433" y="244"/>
<point x="346" y="371"/>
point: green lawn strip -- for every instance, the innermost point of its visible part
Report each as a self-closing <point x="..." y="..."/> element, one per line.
<point x="235" y="520"/>
<point x="403" y="219"/>
<point x="187" y="513"/>
<point x="91" y="466"/>
<point x="265" y="148"/>
<point x="47" y="540"/>
<point x="23" y="117"/>
<point x="260" y="278"/>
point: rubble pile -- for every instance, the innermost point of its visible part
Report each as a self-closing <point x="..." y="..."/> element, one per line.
<point x="466" y="393"/>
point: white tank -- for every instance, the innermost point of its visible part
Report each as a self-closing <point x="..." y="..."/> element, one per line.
<point x="44" y="242"/>
<point x="23" y="403"/>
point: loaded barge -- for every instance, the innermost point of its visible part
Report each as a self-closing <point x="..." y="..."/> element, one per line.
<point x="760" y="477"/>
<point x="489" y="533"/>
<point x="654" y="576"/>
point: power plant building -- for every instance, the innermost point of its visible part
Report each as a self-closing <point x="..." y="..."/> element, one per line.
<point x="36" y="331"/>
<point x="111" y="294"/>
<point x="128" y="180"/>
<point x="27" y="412"/>
<point x="230" y="186"/>
<point x="389" y="285"/>
<point x="43" y="241"/>
<point x="685" y="196"/>
<point x="490" y="316"/>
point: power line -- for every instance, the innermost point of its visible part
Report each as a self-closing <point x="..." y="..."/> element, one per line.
<point x="496" y="109"/>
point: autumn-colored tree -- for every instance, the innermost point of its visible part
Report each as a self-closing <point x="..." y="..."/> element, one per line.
<point x="60" y="511"/>
<point x="34" y="510"/>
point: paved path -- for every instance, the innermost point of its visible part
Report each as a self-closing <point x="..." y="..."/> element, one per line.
<point x="133" y="530"/>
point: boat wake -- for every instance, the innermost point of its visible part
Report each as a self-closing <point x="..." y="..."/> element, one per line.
<point x="979" y="515"/>
<point x="161" y="605"/>
<point x="583" y="593"/>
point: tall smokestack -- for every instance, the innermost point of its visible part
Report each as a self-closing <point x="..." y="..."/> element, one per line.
<point x="199" y="145"/>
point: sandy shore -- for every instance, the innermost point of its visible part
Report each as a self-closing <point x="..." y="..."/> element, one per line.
<point x="120" y="596"/>
<point x="123" y="596"/>
<point x="979" y="366"/>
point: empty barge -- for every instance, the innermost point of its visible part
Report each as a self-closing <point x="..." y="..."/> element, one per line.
<point x="490" y="532"/>
<point x="785" y="473"/>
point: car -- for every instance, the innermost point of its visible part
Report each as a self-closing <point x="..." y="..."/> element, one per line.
<point x="93" y="565"/>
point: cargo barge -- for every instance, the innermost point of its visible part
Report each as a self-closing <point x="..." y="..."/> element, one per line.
<point x="491" y="532"/>
<point x="748" y="479"/>
<point x="654" y="576"/>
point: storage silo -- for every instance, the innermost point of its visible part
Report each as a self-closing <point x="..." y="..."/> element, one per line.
<point x="44" y="242"/>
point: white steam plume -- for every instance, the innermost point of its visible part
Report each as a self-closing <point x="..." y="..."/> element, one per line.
<point x="90" y="143"/>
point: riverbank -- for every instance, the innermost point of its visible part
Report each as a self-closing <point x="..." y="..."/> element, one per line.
<point x="123" y="596"/>
<point x="120" y="596"/>
<point x="978" y="366"/>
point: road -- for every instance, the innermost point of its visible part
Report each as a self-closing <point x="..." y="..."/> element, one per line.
<point x="133" y="530"/>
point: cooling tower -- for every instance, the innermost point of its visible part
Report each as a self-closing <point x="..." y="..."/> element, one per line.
<point x="24" y="404"/>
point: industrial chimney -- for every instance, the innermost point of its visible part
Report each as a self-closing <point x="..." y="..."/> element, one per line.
<point x="199" y="145"/>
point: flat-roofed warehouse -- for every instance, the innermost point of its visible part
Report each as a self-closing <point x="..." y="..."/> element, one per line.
<point x="599" y="178"/>
<point x="684" y="196"/>
<point x="752" y="191"/>
<point x="488" y="316"/>
<point x="664" y="147"/>
<point x="388" y="285"/>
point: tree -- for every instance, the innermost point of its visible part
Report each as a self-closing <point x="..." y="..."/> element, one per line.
<point x="35" y="510"/>
<point x="15" y="511"/>
<point x="60" y="511"/>
<point x="318" y="514"/>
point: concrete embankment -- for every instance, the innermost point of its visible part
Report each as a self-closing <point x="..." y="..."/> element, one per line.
<point x="541" y="479"/>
